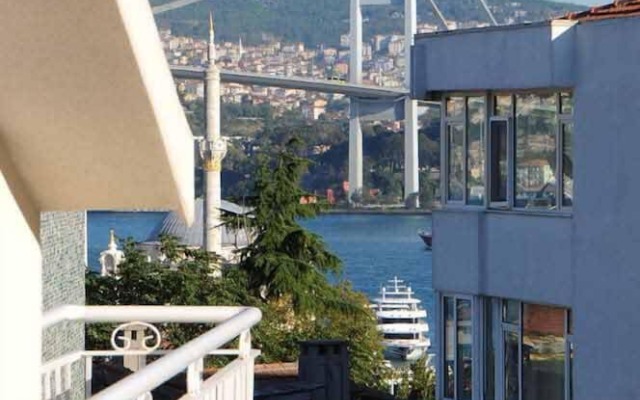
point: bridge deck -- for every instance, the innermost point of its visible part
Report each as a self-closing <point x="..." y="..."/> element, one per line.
<point x="316" y="85"/>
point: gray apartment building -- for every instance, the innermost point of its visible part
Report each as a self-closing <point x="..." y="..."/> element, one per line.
<point x="535" y="256"/>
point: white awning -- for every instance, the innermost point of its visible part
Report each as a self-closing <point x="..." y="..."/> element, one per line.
<point x="89" y="116"/>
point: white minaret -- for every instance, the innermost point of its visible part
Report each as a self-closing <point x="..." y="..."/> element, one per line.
<point x="212" y="149"/>
<point x="111" y="258"/>
<point x="240" y="50"/>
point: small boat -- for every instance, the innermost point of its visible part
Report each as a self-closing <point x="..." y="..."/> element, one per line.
<point x="401" y="322"/>
<point x="427" y="238"/>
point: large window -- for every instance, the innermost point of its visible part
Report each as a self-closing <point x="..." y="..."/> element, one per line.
<point x="535" y="349"/>
<point x="543" y="352"/>
<point x="455" y="170"/>
<point x="536" y="151"/>
<point x="475" y="150"/>
<point x="465" y="121"/>
<point x="449" y="348"/>
<point x="458" y="343"/>
<point x="498" y="161"/>
<point x="525" y="160"/>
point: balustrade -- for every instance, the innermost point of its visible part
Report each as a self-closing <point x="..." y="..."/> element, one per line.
<point x="138" y="340"/>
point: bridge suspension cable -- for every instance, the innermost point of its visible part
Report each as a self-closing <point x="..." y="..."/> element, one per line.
<point x="489" y="13"/>
<point x="439" y="14"/>
<point x="174" y="5"/>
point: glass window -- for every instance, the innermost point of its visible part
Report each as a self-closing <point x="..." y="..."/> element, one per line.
<point x="489" y="352"/>
<point x="511" y="311"/>
<point x="499" y="171"/>
<point x="536" y="127"/>
<point x="475" y="150"/>
<point x="543" y="352"/>
<point x="449" y="343"/>
<point x="566" y="103"/>
<point x="567" y="164"/>
<point x="511" y="381"/>
<point x="502" y="106"/>
<point x="456" y="162"/>
<point x="570" y="344"/>
<point x="463" y="351"/>
<point x="455" y="107"/>
<point x="530" y="150"/>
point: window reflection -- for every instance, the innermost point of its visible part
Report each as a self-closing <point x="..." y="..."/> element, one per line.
<point x="456" y="162"/>
<point x="566" y="103"/>
<point x="502" y="106"/>
<point x="499" y="161"/>
<point x="511" y="384"/>
<point x="464" y="335"/>
<point x="535" y="151"/>
<point x="489" y="352"/>
<point x="449" y="340"/>
<point x="475" y="150"/>
<point x="567" y="164"/>
<point x="543" y="352"/>
<point x="455" y="107"/>
<point x="511" y="311"/>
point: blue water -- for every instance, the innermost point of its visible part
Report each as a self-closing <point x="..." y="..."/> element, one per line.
<point x="373" y="248"/>
<point x="136" y="225"/>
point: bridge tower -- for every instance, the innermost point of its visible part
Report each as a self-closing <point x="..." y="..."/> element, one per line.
<point x="411" y="182"/>
<point x="411" y="166"/>
<point x="212" y="150"/>
<point x="355" y="76"/>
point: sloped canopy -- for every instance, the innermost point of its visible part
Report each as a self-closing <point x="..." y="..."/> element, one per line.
<point x="89" y="116"/>
<point x="193" y="235"/>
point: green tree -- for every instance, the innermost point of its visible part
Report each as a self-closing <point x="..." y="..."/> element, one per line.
<point x="286" y="259"/>
<point x="284" y="273"/>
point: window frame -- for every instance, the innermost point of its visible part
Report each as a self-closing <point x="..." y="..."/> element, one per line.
<point x="442" y="344"/>
<point x="563" y="120"/>
<point x="448" y="128"/>
<point x="508" y="203"/>
<point x="463" y="119"/>
<point x="509" y="117"/>
<point x="501" y="328"/>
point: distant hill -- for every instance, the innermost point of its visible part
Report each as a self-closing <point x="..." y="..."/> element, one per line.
<point x="316" y="22"/>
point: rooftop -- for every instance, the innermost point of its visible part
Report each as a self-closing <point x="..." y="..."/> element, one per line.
<point x="617" y="9"/>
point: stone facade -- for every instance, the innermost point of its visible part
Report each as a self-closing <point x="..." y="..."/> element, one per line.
<point x="63" y="243"/>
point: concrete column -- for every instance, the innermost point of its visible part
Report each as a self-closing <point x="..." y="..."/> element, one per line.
<point x="355" y="150"/>
<point x="411" y="180"/>
<point x="20" y="298"/>
<point x="355" y="76"/>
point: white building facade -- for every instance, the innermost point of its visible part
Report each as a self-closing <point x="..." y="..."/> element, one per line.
<point x="90" y="119"/>
<point x="534" y="253"/>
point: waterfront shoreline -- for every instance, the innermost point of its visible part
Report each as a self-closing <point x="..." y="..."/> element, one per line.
<point x="375" y="211"/>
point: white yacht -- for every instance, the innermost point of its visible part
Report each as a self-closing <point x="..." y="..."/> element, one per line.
<point x="401" y="321"/>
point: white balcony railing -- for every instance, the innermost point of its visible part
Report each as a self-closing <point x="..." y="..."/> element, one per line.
<point x="234" y="381"/>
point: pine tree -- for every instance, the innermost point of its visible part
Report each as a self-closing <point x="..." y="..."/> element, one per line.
<point x="285" y="259"/>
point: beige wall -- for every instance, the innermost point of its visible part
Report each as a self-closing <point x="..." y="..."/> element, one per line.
<point x="20" y="301"/>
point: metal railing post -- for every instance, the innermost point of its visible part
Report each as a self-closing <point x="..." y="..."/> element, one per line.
<point x="88" y="376"/>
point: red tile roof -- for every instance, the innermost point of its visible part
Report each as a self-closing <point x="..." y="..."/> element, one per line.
<point x="617" y="9"/>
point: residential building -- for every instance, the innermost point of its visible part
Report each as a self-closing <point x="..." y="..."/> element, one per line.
<point x="82" y="130"/>
<point x="535" y="264"/>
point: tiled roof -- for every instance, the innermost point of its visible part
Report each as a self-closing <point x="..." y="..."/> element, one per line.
<point x="617" y="9"/>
